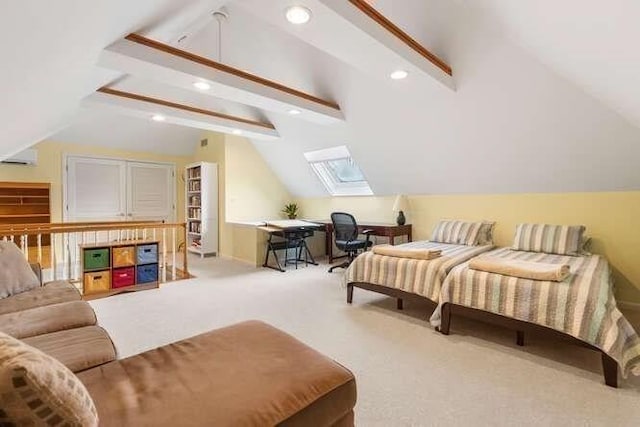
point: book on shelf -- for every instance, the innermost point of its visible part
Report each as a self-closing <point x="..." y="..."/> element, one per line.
<point x="194" y="172"/>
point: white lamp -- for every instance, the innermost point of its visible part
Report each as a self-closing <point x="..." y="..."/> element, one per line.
<point x="401" y="204"/>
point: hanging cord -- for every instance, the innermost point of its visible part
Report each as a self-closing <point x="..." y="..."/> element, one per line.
<point x="219" y="40"/>
<point x="220" y="17"/>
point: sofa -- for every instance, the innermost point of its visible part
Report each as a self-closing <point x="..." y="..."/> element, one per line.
<point x="57" y="367"/>
<point x="53" y="318"/>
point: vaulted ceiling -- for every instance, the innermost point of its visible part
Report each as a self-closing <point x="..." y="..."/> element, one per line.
<point x="544" y="96"/>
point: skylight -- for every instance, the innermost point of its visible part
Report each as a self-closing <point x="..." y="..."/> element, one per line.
<point x="338" y="172"/>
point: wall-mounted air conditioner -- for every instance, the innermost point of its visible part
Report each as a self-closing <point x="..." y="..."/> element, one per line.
<point x="26" y="157"/>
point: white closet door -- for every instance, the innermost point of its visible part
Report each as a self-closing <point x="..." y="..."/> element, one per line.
<point x="96" y="189"/>
<point x="151" y="192"/>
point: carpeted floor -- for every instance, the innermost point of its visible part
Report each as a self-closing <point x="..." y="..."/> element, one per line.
<point x="407" y="374"/>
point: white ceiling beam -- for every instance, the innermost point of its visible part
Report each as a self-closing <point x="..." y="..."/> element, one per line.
<point x="143" y="57"/>
<point x="357" y="34"/>
<point x="371" y="22"/>
<point x="145" y="107"/>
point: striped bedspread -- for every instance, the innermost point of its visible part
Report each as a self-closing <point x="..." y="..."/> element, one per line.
<point x="420" y="277"/>
<point x="582" y="306"/>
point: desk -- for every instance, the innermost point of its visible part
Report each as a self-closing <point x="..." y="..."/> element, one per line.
<point x="293" y="235"/>
<point x="379" y="229"/>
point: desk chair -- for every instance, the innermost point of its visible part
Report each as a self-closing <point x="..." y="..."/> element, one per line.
<point x="345" y="231"/>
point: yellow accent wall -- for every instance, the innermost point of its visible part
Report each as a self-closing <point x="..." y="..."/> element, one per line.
<point x="248" y="188"/>
<point x="49" y="169"/>
<point x="248" y="191"/>
<point x="253" y="191"/>
<point x="612" y="220"/>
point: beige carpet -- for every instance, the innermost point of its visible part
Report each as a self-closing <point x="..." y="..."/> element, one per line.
<point x="407" y="374"/>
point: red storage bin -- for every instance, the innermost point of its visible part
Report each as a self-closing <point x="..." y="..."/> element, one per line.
<point x="123" y="277"/>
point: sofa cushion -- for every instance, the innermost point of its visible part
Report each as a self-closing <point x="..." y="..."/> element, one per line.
<point x="77" y="349"/>
<point x="50" y="318"/>
<point x="39" y="390"/>
<point x="51" y="293"/>
<point x="16" y="275"/>
<point x="245" y="374"/>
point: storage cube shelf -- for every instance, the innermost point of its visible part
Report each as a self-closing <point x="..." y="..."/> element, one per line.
<point x="120" y="266"/>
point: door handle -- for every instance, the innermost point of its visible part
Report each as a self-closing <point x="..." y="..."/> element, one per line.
<point x="120" y="214"/>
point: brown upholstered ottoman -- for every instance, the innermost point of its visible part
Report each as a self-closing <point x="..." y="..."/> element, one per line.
<point x="249" y="374"/>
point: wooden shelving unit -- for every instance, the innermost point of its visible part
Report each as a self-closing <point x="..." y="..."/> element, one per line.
<point x="201" y="182"/>
<point x="26" y="203"/>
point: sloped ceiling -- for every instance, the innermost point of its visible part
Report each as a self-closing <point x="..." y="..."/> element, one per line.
<point x="591" y="43"/>
<point x="49" y="51"/>
<point x="546" y="94"/>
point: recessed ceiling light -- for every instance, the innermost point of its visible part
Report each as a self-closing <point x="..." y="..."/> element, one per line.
<point x="399" y="75"/>
<point x="202" y="85"/>
<point x="295" y="112"/>
<point x="236" y="132"/>
<point x="158" y="118"/>
<point x="298" y="14"/>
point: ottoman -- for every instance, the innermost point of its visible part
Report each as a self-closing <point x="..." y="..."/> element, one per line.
<point x="249" y="374"/>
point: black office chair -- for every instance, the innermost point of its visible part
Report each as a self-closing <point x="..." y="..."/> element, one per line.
<point x="345" y="232"/>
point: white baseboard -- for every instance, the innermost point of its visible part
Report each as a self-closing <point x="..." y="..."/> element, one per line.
<point x="629" y="305"/>
<point x="244" y="261"/>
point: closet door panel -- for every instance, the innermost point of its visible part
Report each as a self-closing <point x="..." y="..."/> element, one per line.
<point x="96" y="189"/>
<point x="150" y="192"/>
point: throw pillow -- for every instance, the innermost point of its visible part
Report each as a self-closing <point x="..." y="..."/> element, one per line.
<point x="551" y="239"/>
<point x="16" y="275"/>
<point x="456" y="232"/>
<point x="36" y="389"/>
<point x="485" y="235"/>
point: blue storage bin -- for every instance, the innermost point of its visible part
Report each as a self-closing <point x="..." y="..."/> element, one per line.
<point x="147" y="254"/>
<point x="147" y="274"/>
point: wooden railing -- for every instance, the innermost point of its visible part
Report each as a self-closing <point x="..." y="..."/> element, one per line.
<point x="61" y="258"/>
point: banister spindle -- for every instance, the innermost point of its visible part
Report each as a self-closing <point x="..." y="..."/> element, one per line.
<point x="54" y="258"/>
<point x="39" y="243"/>
<point x="164" y="255"/>
<point x="22" y="246"/>
<point x="173" y="253"/>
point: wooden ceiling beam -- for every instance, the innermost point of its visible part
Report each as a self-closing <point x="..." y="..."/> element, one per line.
<point x="150" y="59"/>
<point x="384" y="22"/>
<point x="146" y="107"/>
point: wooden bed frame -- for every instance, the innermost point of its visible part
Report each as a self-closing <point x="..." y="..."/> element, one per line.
<point x="609" y="365"/>
<point x="399" y="294"/>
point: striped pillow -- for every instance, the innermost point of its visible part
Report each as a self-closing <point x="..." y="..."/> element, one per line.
<point x="551" y="239"/>
<point x="456" y="232"/>
<point x="485" y="235"/>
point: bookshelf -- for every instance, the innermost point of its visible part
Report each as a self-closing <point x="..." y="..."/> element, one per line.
<point x="201" y="198"/>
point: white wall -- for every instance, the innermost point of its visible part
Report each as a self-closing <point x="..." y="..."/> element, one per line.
<point x="513" y="125"/>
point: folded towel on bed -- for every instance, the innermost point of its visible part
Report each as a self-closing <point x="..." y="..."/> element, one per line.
<point x="399" y="252"/>
<point x="518" y="268"/>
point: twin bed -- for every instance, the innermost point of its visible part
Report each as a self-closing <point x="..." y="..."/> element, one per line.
<point x="581" y="307"/>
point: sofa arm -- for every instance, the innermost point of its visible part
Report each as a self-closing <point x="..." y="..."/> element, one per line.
<point x="38" y="270"/>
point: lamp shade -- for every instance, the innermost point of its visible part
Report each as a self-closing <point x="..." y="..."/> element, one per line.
<point x="401" y="203"/>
